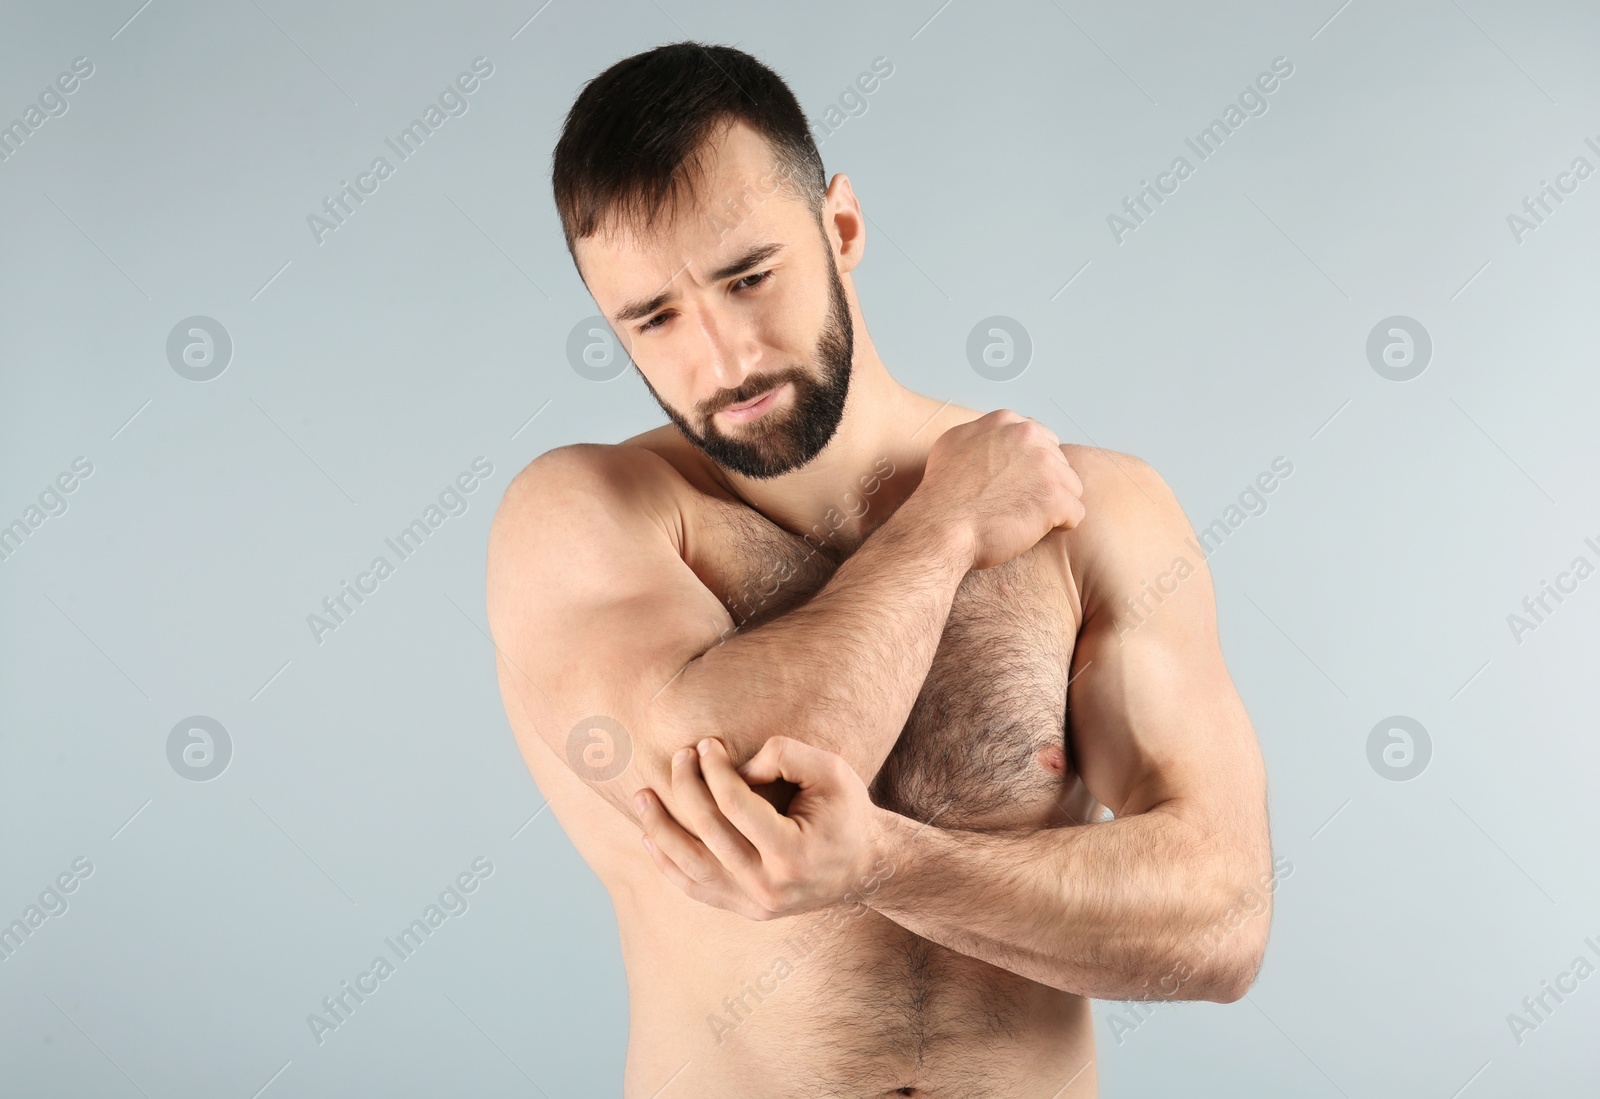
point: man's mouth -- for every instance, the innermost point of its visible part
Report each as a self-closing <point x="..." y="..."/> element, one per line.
<point x="754" y="409"/>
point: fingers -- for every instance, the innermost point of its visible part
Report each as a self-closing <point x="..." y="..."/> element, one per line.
<point x="753" y="815"/>
<point x="805" y="765"/>
<point x="718" y="892"/>
<point x="1072" y="511"/>
<point x="697" y="811"/>
<point x="762" y="768"/>
<point x="666" y="836"/>
<point x="676" y="876"/>
<point x="1070" y="486"/>
<point x="1074" y="482"/>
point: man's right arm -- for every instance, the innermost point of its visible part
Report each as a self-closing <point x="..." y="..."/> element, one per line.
<point x="594" y="612"/>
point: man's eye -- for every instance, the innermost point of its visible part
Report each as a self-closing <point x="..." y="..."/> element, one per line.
<point x="660" y="318"/>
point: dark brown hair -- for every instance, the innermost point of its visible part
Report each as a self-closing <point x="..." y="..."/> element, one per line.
<point x="634" y="140"/>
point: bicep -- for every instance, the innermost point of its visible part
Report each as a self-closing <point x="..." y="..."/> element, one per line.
<point x="593" y="612"/>
<point x="1155" y="719"/>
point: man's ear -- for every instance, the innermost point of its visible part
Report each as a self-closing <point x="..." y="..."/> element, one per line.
<point x="843" y="223"/>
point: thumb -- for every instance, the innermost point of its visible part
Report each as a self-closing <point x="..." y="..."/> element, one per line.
<point x="787" y="758"/>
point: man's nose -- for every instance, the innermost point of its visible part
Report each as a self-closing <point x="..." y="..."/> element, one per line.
<point x="729" y="351"/>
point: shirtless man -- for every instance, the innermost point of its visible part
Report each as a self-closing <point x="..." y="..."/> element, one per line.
<point x="875" y="665"/>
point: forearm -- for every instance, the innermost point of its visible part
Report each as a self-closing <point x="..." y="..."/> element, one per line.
<point x="843" y="670"/>
<point x="1141" y="907"/>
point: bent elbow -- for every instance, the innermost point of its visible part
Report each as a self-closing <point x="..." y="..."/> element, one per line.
<point x="1237" y="937"/>
<point x="1236" y="973"/>
<point x="1235" y="980"/>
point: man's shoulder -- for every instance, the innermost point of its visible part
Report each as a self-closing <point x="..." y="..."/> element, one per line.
<point x="1112" y="476"/>
<point x="1132" y="521"/>
<point x="629" y="472"/>
<point x="580" y="492"/>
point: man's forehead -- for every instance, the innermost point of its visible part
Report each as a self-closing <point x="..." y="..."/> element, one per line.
<point x="736" y="203"/>
<point x="702" y="224"/>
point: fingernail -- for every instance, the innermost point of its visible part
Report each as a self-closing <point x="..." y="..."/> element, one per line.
<point x="680" y="757"/>
<point x="704" y="746"/>
<point x="648" y="846"/>
<point x="639" y="803"/>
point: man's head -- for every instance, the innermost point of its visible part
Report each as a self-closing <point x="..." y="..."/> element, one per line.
<point x="692" y="199"/>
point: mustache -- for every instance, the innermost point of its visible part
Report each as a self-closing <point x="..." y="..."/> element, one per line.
<point x="746" y="393"/>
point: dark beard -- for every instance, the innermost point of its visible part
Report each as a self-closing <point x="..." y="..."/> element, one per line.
<point x="785" y="439"/>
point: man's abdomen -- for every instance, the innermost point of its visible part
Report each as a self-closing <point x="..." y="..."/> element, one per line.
<point x="837" y="1002"/>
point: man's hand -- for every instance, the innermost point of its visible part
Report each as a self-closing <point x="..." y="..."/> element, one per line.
<point x="734" y="850"/>
<point x="1004" y="480"/>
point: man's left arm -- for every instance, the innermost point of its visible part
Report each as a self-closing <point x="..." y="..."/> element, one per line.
<point x="1172" y="898"/>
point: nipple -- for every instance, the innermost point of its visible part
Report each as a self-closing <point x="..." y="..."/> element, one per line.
<point x="1053" y="759"/>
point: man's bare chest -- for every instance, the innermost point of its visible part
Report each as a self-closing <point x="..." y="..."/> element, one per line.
<point x="984" y="746"/>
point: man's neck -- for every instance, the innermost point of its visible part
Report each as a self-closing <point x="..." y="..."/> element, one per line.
<point x="868" y="469"/>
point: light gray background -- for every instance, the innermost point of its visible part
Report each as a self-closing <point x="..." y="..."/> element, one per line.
<point x="370" y="369"/>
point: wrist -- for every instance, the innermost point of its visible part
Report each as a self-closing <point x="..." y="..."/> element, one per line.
<point x="947" y="534"/>
<point x="893" y="842"/>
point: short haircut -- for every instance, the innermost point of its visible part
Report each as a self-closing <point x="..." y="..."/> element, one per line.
<point x="634" y="142"/>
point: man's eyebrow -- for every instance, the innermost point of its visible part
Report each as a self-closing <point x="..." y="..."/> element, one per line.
<point x="638" y="310"/>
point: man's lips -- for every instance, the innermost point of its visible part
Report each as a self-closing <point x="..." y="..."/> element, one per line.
<point x="750" y="410"/>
